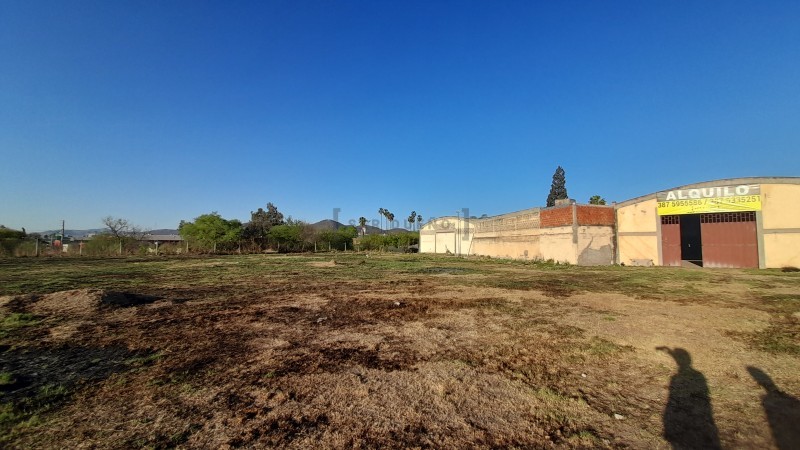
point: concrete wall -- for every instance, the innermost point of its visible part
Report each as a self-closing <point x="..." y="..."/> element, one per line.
<point x="780" y="206"/>
<point x="780" y="212"/>
<point x="638" y="217"/>
<point x="595" y="246"/>
<point x="557" y="244"/>
<point x="637" y="233"/>
<point x="516" y="244"/>
<point x="638" y="250"/>
<point x="534" y="234"/>
<point x="513" y="235"/>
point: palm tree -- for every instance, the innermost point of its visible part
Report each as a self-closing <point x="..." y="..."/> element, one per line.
<point x="363" y="222"/>
<point x="382" y="213"/>
<point x="389" y="219"/>
<point x="411" y="218"/>
<point x="419" y="222"/>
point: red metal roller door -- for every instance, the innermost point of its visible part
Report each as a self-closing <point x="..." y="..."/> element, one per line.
<point x="729" y="239"/>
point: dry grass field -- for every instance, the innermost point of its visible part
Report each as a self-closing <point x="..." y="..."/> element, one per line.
<point x="410" y="351"/>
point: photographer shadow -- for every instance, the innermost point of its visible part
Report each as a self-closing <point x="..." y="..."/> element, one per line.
<point x="688" y="416"/>
<point x="783" y="411"/>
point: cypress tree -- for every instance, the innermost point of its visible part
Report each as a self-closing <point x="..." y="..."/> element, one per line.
<point x="558" y="189"/>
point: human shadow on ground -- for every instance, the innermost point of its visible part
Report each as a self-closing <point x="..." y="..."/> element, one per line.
<point x="783" y="411"/>
<point x="688" y="416"/>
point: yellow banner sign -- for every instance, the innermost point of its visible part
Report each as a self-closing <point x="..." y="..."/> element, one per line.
<point x="745" y="197"/>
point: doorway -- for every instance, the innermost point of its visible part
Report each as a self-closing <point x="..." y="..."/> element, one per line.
<point x="691" y="240"/>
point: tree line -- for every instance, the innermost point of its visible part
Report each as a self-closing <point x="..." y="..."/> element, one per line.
<point x="268" y="230"/>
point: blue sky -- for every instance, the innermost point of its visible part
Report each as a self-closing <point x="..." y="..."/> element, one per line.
<point x="162" y="111"/>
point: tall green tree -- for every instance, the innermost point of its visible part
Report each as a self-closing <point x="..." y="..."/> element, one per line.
<point x="558" y="189"/>
<point x="211" y="230"/>
<point x="261" y="221"/>
<point x="382" y="214"/>
<point x="274" y="217"/>
<point x="389" y="219"/>
<point x="419" y="221"/>
<point x="411" y="218"/>
<point x="597" y="200"/>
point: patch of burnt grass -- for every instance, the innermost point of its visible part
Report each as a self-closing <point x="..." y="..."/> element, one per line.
<point x="444" y="270"/>
<point x="309" y="359"/>
<point x="552" y="287"/>
<point x="40" y="380"/>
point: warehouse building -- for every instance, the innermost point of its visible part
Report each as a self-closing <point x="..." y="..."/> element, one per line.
<point x="741" y="222"/>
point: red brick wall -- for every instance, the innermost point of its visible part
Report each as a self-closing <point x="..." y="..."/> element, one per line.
<point x="595" y="215"/>
<point x="556" y="217"/>
<point x="587" y="215"/>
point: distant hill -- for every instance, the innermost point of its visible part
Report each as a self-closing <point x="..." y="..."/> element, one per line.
<point x="326" y="224"/>
<point x="73" y="233"/>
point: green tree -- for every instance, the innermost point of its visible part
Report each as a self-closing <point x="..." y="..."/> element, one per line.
<point x="389" y="219"/>
<point x="288" y="236"/>
<point x="8" y="233"/>
<point x="345" y="236"/>
<point x="558" y="189"/>
<point x="597" y="200"/>
<point x="10" y="239"/>
<point x="419" y="221"/>
<point x="396" y="242"/>
<point x="210" y="231"/>
<point x="274" y="217"/>
<point x="326" y="237"/>
<point x="257" y="230"/>
<point x="362" y="223"/>
<point x="411" y="218"/>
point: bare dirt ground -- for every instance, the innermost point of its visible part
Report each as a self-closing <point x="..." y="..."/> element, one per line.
<point x="394" y="351"/>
